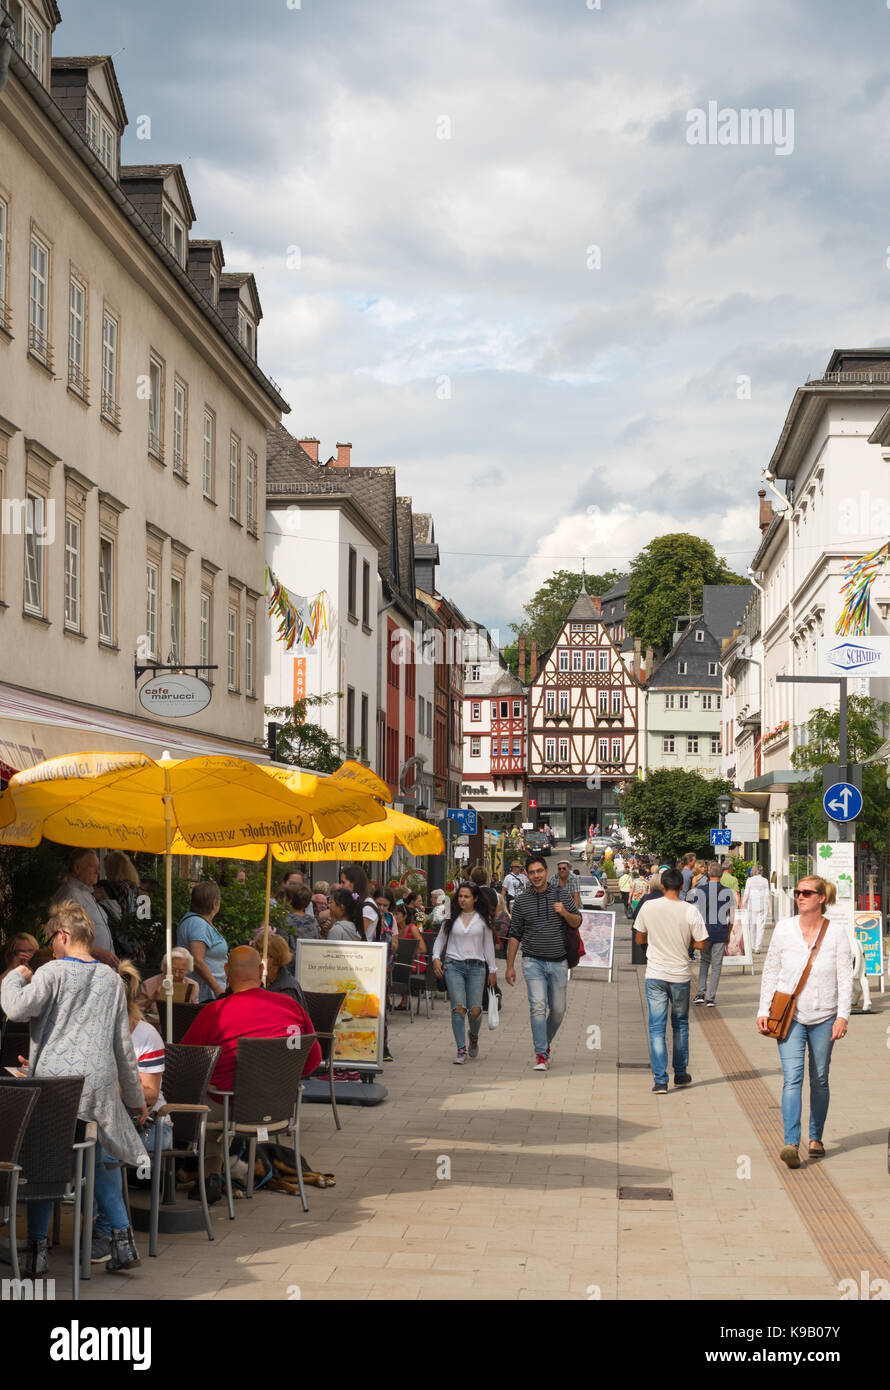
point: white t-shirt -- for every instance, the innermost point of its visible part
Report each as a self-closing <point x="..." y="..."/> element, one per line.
<point x="670" y="928"/>
<point x="371" y="916"/>
<point x="149" y="1048"/>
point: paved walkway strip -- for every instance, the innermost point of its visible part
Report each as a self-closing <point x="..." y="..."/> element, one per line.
<point x="836" y="1231"/>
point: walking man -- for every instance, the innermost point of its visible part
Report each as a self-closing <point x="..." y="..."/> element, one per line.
<point x="565" y="878"/>
<point x="669" y="926"/>
<point x="515" y="883"/>
<point x="539" y="922"/>
<point x="715" y="903"/>
<point x="687" y="866"/>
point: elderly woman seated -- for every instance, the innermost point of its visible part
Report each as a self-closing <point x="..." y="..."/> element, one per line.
<point x="185" y="985"/>
<point x="280" y="978"/>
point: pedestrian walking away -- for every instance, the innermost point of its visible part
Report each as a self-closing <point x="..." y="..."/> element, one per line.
<point x="822" y="1007"/>
<point x="539" y="924"/>
<point x="668" y="927"/>
<point x="756" y="902"/>
<point x="466" y="944"/>
<point x="715" y="903"/>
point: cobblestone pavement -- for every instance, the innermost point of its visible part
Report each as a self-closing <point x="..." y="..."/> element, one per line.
<point x="495" y="1181"/>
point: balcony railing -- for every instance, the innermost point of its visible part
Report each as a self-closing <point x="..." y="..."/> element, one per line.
<point x="39" y="346"/>
<point x="77" y="381"/>
<point x="110" y="409"/>
<point x="179" y="465"/>
<point x="850" y="379"/>
<point x="5" y="316"/>
<point x="154" y="444"/>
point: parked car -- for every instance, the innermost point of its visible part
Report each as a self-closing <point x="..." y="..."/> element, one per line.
<point x="600" y="844"/>
<point x="592" y="893"/>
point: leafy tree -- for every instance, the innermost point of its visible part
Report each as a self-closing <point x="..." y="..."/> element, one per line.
<point x="510" y="654"/>
<point x="546" y="610"/>
<point x="666" y="579"/>
<point x="866" y="724"/>
<point x="303" y="743"/>
<point x="673" y="811"/>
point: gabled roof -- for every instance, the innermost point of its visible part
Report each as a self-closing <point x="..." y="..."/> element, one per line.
<point x="723" y="606"/>
<point x="696" y="654"/>
<point x="583" y="609"/>
<point x="94" y="61"/>
<point x="618" y="590"/>
<point x="237" y="280"/>
<point x="159" y="172"/>
<point x="424" y="533"/>
<point x="288" y="462"/>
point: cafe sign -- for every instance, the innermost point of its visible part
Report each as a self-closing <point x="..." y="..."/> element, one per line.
<point x="175" y="695"/>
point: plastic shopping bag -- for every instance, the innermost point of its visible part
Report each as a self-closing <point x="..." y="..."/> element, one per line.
<point x="493" y="1018"/>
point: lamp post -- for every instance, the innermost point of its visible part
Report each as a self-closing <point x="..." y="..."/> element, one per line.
<point x="724" y="806"/>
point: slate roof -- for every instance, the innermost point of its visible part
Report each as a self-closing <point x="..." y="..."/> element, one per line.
<point x="723" y="606"/>
<point x="583" y="609"/>
<point x="132" y="172"/>
<point x="95" y="60"/>
<point x="423" y="528"/>
<point x="697" y="655"/>
<point x="618" y="590"/>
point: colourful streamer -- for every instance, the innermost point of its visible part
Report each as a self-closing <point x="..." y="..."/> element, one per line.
<point x="861" y="574"/>
<point x="296" y="627"/>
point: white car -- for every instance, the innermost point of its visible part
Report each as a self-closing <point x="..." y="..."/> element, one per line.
<point x="592" y="893"/>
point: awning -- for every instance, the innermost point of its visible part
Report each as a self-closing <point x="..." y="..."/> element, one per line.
<point x="36" y="727"/>
<point x="779" y="781"/>
<point x="496" y="805"/>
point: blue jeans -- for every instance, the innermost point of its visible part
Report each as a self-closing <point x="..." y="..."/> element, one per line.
<point x="546" y="982"/>
<point x="659" y="995"/>
<point x="815" y="1037"/>
<point x="465" y="981"/>
<point x="109" y="1209"/>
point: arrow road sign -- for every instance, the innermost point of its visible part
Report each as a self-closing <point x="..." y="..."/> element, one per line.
<point x="842" y="801"/>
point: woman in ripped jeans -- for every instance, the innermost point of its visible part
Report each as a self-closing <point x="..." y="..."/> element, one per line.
<point x="466" y="943"/>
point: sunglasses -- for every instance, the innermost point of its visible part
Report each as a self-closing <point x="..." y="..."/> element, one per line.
<point x="806" y="893"/>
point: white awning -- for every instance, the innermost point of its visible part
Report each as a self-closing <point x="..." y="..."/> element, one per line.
<point x="496" y="805"/>
<point x="36" y="727"/>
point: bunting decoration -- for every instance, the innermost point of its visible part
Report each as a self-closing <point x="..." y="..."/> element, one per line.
<point x="299" y="620"/>
<point x="861" y="574"/>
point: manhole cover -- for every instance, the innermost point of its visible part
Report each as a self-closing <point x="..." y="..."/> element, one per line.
<point x="645" y="1194"/>
<point x="633" y="1066"/>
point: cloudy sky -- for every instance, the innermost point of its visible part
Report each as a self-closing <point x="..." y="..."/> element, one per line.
<point x="517" y="280"/>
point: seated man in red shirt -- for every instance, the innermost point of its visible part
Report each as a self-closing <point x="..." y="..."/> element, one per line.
<point x="248" y="1012"/>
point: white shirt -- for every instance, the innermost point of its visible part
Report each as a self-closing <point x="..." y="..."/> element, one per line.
<point x="757" y="895"/>
<point x="828" y="992"/>
<point x="73" y="888"/>
<point x="514" y="884"/>
<point x="149" y="1048"/>
<point x="467" y="941"/>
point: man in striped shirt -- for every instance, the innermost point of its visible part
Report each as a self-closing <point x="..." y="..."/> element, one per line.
<point x="565" y="878"/>
<point x="539" y="921"/>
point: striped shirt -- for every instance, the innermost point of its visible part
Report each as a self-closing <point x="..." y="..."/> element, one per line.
<point x="149" y="1047"/>
<point x="537" y="927"/>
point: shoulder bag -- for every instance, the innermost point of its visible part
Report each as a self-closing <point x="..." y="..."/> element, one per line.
<point x="782" y="1006"/>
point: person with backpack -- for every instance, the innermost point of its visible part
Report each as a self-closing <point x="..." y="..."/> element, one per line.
<point x="353" y="877"/>
<point x="466" y="944"/>
<point x="545" y="923"/>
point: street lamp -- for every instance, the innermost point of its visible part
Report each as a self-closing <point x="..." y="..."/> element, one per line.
<point x="724" y="806"/>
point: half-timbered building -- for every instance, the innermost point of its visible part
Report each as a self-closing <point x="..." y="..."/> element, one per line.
<point x="584" y="710"/>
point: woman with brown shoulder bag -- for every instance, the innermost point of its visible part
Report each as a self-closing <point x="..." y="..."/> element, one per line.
<point x="805" y="998"/>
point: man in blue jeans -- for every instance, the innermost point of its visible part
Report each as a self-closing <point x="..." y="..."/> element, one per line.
<point x="539" y="921"/>
<point x="669" y="927"/>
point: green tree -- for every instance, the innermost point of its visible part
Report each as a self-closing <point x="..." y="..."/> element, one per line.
<point x="867" y="721"/>
<point x="546" y="610"/>
<point x="673" y="811"/>
<point x="306" y="744"/>
<point x="510" y="654"/>
<point x="666" y="580"/>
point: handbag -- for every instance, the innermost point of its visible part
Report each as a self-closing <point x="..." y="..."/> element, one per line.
<point x="782" y="1006"/>
<point x="493" y="1017"/>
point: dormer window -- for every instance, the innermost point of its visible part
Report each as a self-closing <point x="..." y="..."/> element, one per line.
<point x="33" y="36"/>
<point x="101" y="137"/>
<point x="699" y="635"/>
<point x="173" y="233"/>
<point x="247" y="334"/>
<point x="214" y="287"/>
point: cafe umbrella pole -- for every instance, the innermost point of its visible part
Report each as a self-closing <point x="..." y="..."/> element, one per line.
<point x="168" y="875"/>
<point x="266" y="922"/>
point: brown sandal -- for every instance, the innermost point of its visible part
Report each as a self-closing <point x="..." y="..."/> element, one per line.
<point x="816" y="1149"/>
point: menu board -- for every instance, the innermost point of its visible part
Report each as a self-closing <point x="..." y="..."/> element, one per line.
<point x="597" y="931"/>
<point x="358" y="970"/>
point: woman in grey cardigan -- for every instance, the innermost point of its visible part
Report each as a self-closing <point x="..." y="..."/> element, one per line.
<point x="79" y="1027"/>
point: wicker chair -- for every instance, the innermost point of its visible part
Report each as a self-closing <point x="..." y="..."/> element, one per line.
<point x="16" y="1105"/>
<point x="425" y="984"/>
<point x="187" y="1073"/>
<point x="184" y="1016"/>
<point x="324" y="1010"/>
<point x="46" y="1157"/>
<point x="400" y="975"/>
<point x="266" y="1099"/>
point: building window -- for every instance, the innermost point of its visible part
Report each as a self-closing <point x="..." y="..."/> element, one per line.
<point x="106" y="590"/>
<point x="247" y="333"/>
<point x="475" y="747"/>
<point x="707" y="702"/>
<point x="109" y="368"/>
<point x="550" y="750"/>
<point x="505" y="709"/>
<point x="235" y="478"/>
<point x="366" y="593"/>
<point x="516" y="748"/>
<point x="681" y="668"/>
<point x="475" y="710"/>
<point x="712" y="668"/>
<point x="517" y="709"/>
<point x="35" y="507"/>
<point x="72" y="574"/>
<point x="669" y="701"/>
<point x="5" y="317"/>
<point x="603" y="659"/>
<point x="563" y="702"/>
<point x="209" y="454"/>
<point x="715" y="743"/>
<point x="616" y="701"/>
<point x="251" y="492"/>
<point x="156" y="408"/>
<point x="577" y="656"/>
<point x="549" y="701"/>
<point x="77" y="316"/>
<point x="175" y="619"/>
<point x="719" y="699"/>
<point x="603" y="702"/>
<point x="101" y="138"/>
<point x="590" y="659"/>
<point x="692" y="743"/>
<point x="563" y="750"/>
<point x="34" y="40"/>
<point x="682" y="702"/>
<point x="364" y="726"/>
<point x="603" y="750"/>
<point x="214" y="287"/>
<point x="505" y="748"/>
<point x="350" y="583"/>
<point x="494" y="709"/>
<point x="205" y="629"/>
<point x="180" y="414"/>
<point x="699" y="635"/>
<point x="248" y="655"/>
<point x="233" y="649"/>
<point x="617" y="750"/>
<point x="667" y="744"/>
<point x="563" y="659"/>
<point x="173" y="233"/>
<point x="38" y="302"/>
<point x="151" y="610"/>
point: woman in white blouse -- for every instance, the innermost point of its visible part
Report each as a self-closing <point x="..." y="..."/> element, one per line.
<point x="822" y="1011"/>
<point x="466" y="942"/>
<point x="756" y="902"/>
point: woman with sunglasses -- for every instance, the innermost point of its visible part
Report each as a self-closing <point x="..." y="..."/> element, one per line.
<point x="822" y="1011"/>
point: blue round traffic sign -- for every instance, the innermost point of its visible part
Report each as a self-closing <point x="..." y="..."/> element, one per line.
<point x="842" y="801"/>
